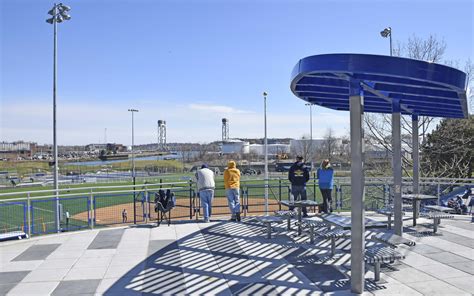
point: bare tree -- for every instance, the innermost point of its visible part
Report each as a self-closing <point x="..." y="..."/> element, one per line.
<point x="329" y="144"/>
<point x="304" y="148"/>
<point x="378" y="127"/>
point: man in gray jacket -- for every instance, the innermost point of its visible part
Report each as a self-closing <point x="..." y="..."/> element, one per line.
<point x="206" y="185"/>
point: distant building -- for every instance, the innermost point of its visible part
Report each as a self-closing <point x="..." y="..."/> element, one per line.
<point x="113" y="147"/>
<point x="15" y="150"/>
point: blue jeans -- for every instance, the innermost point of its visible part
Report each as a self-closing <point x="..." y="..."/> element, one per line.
<point x="233" y="200"/>
<point x="206" y="197"/>
<point x="299" y="193"/>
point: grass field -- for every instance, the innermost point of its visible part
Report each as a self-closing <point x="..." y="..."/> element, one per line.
<point x="109" y="205"/>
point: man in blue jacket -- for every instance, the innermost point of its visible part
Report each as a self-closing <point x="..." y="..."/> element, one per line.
<point x="298" y="176"/>
<point x="325" y="175"/>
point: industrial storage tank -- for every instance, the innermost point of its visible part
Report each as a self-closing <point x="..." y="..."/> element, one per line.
<point x="235" y="146"/>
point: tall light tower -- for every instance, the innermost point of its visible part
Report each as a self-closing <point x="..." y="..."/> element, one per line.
<point x="59" y="13"/>
<point x="266" y="150"/>
<point x="133" y="152"/>
<point x="387" y="32"/>
<point x="225" y="129"/>
<point x="161" y="135"/>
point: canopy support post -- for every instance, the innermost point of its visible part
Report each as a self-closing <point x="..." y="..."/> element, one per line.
<point x="356" y="100"/>
<point x="397" y="166"/>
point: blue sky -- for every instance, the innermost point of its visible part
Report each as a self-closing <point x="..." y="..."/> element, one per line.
<point x="192" y="63"/>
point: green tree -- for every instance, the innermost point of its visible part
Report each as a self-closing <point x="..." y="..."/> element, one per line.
<point x="449" y="149"/>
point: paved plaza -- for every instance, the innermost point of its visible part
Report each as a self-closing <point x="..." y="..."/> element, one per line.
<point x="227" y="258"/>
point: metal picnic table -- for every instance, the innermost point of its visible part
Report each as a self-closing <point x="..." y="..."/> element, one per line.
<point x="299" y="204"/>
<point x="345" y="222"/>
<point x="416" y="199"/>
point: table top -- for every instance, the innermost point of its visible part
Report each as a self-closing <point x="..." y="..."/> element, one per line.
<point x="439" y="208"/>
<point x="418" y="196"/>
<point x="299" y="203"/>
<point x="345" y="222"/>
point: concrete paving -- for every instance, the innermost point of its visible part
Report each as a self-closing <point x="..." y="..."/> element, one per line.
<point x="228" y="258"/>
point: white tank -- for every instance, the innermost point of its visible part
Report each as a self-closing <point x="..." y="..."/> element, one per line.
<point x="235" y="146"/>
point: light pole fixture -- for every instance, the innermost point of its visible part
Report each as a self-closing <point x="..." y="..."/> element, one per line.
<point x="387" y="32"/>
<point x="59" y="13"/>
<point x="266" y="150"/>
<point x="133" y="153"/>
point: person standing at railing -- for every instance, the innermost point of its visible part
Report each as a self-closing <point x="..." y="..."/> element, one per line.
<point x="206" y="185"/>
<point x="232" y="187"/>
<point x="325" y="175"/>
<point x="298" y="176"/>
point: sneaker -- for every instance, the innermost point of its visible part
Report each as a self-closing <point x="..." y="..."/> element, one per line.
<point x="207" y="220"/>
<point x="237" y="216"/>
<point x="305" y="215"/>
<point x="232" y="219"/>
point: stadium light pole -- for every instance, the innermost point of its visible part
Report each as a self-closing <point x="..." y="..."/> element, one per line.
<point x="59" y="13"/>
<point x="133" y="152"/>
<point x="387" y="32"/>
<point x="266" y="150"/>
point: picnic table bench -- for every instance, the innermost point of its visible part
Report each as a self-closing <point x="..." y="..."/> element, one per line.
<point x="439" y="209"/>
<point x="13" y="235"/>
<point x="288" y="215"/>
<point x="391" y="239"/>
<point x="267" y="221"/>
<point x="380" y="254"/>
<point x="436" y="217"/>
<point x="389" y="212"/>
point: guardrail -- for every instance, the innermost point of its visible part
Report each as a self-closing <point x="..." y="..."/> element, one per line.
<point x="100" y="206"/>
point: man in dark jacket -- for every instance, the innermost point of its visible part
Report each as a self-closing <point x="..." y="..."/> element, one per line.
<point x="298" y="176"/>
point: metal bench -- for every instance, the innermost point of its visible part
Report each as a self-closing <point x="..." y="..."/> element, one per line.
<point x="333" y="234"/>
<point x="311" y="225"/>
<point x="389" y="212"/>
<point x="267" y="221"/>
<point x="287" y="215"/>
<point x="13" y="235"/>
<point x="392" y="240"/>
<point x="436" y="217"/>
<point x="381" y="254"/>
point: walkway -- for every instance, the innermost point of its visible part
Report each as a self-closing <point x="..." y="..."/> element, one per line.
<point x="224" y="258"/>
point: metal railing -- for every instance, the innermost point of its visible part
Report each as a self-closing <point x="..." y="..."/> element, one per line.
<point x="35" y="212"/>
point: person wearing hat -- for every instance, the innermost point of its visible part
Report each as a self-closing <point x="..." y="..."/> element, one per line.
<point x="325" y="175"/>
<point x="298" y="176"/>
<point x="232" y="187"/>
<point x="205" y="184"/>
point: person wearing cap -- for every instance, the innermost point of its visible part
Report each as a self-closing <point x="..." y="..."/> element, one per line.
<point x="232" y="186"/>
<point x="205" y="184"/>
<point x="325" y="175"/>
<point x="298" y="176"/>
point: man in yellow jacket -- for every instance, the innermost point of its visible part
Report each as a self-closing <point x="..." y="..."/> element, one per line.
<point x="232" y="187"/>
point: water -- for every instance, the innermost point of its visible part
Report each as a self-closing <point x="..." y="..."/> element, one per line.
<point x="104" y="162"/>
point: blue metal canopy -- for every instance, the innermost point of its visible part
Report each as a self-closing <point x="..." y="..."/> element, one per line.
<point x="423" y="88"/>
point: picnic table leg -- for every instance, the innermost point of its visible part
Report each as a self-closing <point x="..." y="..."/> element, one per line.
<point x="289" y="222"/>
<point x="269" y="230"/>
<point x="435" y="223"/>
<point x="389" y="221"/>
<point x="333" y="246"/>
<point x="415" y="210"/>
<point x="299" y="220"/>
<point x="311" y="234"/>
<point x="377" y="271"/>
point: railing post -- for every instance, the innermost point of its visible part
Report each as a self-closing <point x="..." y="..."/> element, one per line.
<point x="191" y="200"/>
<point x="439" y="192"/>
<point x="92" y="208"/>
<point x="147" y="205"/>
<point x="314" y="186"/>
<point x="279" y="193"/>
<point x="28" y="204"/>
